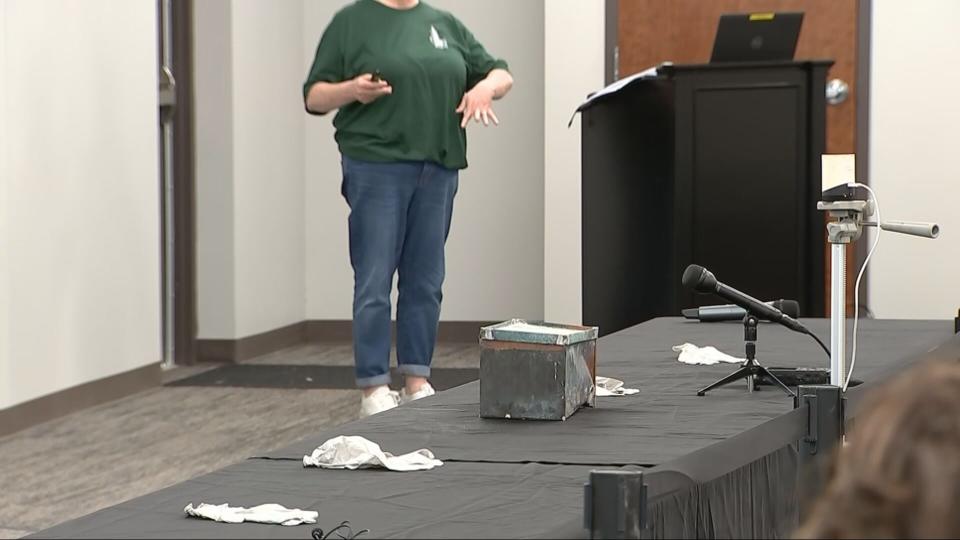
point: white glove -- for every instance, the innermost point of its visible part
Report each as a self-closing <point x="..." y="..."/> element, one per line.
<point x="704" y="356"/>
<point x="359" y="453"/>
<point x="264" y="513"/>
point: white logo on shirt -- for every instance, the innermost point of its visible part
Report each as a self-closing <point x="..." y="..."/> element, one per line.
<point x="436" y="40"/>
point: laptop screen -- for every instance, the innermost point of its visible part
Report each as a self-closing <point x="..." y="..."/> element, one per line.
<point x="756" y="37"/>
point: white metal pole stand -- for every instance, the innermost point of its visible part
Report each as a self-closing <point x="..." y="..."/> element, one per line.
<point x="825" y="403"/>
<point x="846" y="230"/>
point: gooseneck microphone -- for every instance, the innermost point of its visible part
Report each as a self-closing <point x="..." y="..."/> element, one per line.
<point x="702" y="280"/>
<point x="733" y="312"/>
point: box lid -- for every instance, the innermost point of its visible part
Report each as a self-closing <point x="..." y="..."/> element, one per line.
<point x="540" y="332"/>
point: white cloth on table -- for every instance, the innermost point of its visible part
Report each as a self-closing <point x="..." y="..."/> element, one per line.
<point x="351" y="452"/>
<point x="264" y="513"/>
<point x="703" y="356"/>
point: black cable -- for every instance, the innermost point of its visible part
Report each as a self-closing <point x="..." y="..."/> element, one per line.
<point x="822" y="346"/>
<point x="318" y="533"/>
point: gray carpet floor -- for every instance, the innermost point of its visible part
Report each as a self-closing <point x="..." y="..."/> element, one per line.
<point x="105" y="455"/>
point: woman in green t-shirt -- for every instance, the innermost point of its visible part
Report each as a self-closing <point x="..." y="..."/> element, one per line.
<point x="406" y="79"/>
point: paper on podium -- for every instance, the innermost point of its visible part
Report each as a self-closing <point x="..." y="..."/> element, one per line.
<point x="615" y="87"/>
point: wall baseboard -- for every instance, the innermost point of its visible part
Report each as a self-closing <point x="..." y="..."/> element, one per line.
<point x="332" y="331"/>
<point x="342" y="330"/>
<point x="238" y="350"/>
<point x="80" y="397"/>
<point x="461" y="331"/>
<point x="315" y="331"/>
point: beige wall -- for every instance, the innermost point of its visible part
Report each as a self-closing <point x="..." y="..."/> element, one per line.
<point x="268" y="170"/>
<point x="250" y="179"/>
<point x="6" y="384"/>
<point x="79" y="283"/>
<point x="913" y="143"/>
<point x="329" y="285"/>
<point x="572" y="69"/>
<point x="213" y="105"/>
<point x="495" y="251"/>
<point x="272" y="237"/>
<point x="511" y="215"/>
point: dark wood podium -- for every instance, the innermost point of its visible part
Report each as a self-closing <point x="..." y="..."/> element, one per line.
<point x="717" y="165"/>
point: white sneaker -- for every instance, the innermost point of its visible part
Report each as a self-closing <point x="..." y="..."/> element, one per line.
<point x="425" y="391"/>
<point x="382" y="399"/>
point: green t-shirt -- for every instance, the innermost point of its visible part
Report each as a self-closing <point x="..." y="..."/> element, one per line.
<point x="428" y="57"/>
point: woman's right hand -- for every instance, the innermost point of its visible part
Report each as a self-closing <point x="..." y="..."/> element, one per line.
<point x="366" y="90"/>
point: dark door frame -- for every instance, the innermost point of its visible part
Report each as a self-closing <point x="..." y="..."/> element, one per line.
<point x="184" y="324"/>
<point x="862" y="133"/>
<point x="611" y="56"/>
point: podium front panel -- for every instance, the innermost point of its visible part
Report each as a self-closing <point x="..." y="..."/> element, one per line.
<point x="718" y="167"/>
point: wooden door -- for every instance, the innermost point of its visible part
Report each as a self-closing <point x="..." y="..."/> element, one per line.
<point x="682" y="31"/>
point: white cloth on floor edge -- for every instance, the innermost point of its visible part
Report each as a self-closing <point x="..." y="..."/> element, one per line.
<point x="703" y="356"/>
<point x="352" y="452"/>
<point x="264" y="513"/>
<point x="607" y="386"/>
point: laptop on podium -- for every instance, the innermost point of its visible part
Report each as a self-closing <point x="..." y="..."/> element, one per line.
<point x="756" y="37"/>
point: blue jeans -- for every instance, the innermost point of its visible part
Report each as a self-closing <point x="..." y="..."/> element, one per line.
<point x="399" y="220"/>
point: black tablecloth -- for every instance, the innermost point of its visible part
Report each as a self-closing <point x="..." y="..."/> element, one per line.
<point x="718" y="465"/>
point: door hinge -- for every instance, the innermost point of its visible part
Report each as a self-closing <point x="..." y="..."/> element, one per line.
<point x="167" y="92"/>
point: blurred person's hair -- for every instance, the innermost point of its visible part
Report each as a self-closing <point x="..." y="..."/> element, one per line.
<point x="899" y="474"/>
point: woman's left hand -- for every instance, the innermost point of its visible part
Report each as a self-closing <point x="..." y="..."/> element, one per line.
<point x="477" y="104"/>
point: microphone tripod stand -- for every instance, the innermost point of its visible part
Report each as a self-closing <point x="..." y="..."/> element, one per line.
<point x="750" y="368"/>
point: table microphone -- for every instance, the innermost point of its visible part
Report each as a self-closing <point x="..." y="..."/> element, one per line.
<point x="732" y="312"/>
<point x="702" y="280"/>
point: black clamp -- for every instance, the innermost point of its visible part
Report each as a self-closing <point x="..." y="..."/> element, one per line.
<point x="825" y="408"/>
<point x="825" y="412"/>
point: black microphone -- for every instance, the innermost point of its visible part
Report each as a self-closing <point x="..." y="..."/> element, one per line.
<point x="702" y="280"/>
<point x="732" y="312"/>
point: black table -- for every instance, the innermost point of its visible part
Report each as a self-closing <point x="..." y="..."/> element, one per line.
<point x="723" y="464"/>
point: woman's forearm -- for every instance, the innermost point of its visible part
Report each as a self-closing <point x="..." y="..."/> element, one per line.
<point x="325" y="97"/>
<point x="498" y="80"/>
